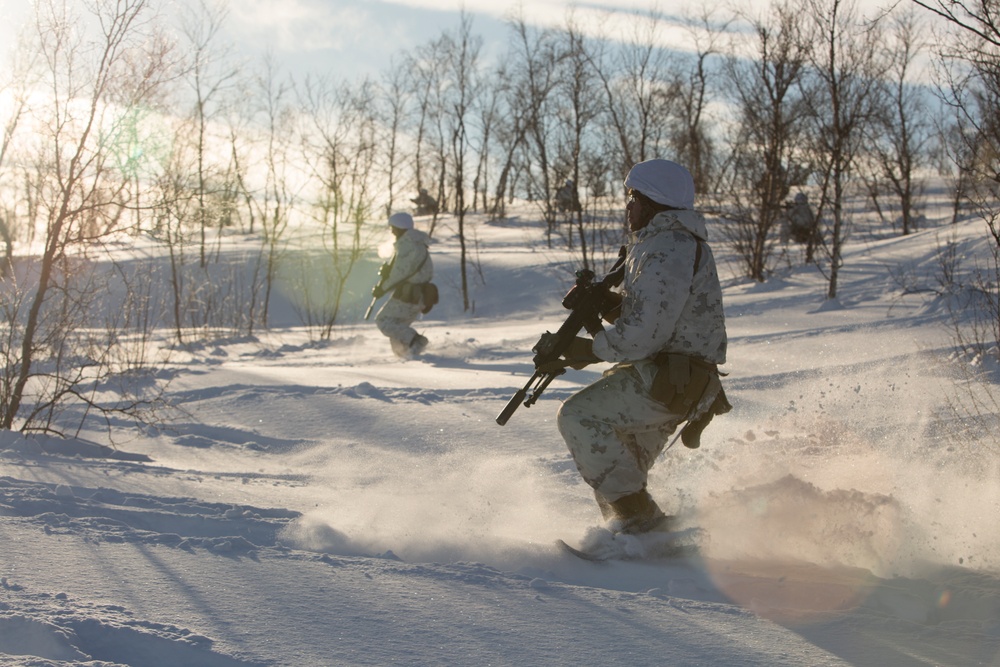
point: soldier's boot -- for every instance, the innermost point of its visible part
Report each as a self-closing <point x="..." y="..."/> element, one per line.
<point x="638" y="513"/>
<point x="607" y="510"/>
<point x="399" y="348"/>
<point x="418" y="344"/>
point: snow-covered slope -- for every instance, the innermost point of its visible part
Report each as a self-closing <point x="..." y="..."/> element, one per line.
<point x="327" y="504"/>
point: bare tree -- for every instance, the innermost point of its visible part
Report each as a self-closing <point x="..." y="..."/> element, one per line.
<point x="534" y="66"/>
<point x="579" y="108"/>
<point x="340" y="146"/>
<point x="510" y="131"/>
<point x="428" y="74"/>
<point x="489" y="107"/>
<point x="970" y="85"/>
<point x="93" y="67"/>
<point x="461" y="92"/>
<point x="272" y="200"/>
<point x="901" y="129"/>
<point x="15" y="86"/>
<point x="200" y="185"/>
<point x="393" y="101"/>
<point x="953" y="151"/>
<point x="765" y="74"/>
<point x="640" y="89"/>
<point x="209" y="77"/>
<point x="423" y="79"/>
<point x="692" y="140"/>
<point x="172" y="210"/>
<point x="846" y="64"/>
<point x="969" y="71"/>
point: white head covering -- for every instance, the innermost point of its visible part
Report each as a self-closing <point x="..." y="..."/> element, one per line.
<point x="664" y="182"/>
<point x="401" y="221"/>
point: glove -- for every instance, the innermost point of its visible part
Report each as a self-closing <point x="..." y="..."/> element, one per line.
<point x="613" y="307"/>
<point x="579" y="354"/>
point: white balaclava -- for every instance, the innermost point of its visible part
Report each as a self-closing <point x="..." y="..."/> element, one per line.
<point x="401" y="221"/>
<point x="664" y="182"/>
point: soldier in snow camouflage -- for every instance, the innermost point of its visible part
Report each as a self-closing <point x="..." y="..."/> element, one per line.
<point x="666" y="343"/>
<point x="410" y="270"/>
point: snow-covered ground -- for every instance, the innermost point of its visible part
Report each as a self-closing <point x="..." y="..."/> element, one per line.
<point x="327" y="504"/>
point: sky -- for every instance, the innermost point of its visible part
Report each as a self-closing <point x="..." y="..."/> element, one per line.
<point x="361" y="36"/>
<point x="354" y="38"/>
<point x="351" y="37"/>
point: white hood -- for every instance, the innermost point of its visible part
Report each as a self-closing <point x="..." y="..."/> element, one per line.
<point x="691" y="221"/>
<point x="664" y="182"/>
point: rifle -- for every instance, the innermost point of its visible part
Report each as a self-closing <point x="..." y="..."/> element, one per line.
<point x="383" y="275"/>
<point x="588" y="302"/>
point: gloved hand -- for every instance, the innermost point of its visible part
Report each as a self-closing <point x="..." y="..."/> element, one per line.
<point x="579" y="354"/>
<point x="613" y="307"/>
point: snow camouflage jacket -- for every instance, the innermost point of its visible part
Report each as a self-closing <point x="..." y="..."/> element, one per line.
<point x="411" y="249"/>
<point x="667" y="306"/>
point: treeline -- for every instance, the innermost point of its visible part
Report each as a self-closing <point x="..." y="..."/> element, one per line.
<point x="119" y="123"/>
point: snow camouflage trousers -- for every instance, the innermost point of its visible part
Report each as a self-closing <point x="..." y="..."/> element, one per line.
<point x="394" y="320"/>
<point x="615" y="430"/>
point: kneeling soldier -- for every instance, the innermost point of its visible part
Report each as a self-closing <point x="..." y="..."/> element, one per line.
<point x="666" y="343"/>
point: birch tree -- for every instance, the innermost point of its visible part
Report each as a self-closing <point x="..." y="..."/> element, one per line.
<point x="848" y="70"/>
<point x="93" y="68"/>
<point x="766" y="75"/>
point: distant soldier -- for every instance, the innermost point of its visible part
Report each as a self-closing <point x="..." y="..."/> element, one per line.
<point x="567" y="198"/>
<point x="408" y="278"/>
<point x="426" y="205"/>
<point x="799" y="223"/>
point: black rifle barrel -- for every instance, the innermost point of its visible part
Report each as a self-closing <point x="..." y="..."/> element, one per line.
<point x="512" y="405"/>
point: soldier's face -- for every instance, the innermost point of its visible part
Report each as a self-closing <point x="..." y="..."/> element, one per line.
<point x="636" y="211"/>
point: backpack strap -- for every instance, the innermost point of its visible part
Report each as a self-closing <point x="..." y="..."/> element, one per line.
<point x="697" y="259"/>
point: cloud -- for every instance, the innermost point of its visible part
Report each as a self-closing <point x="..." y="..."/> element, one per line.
<point x="351" y="38"/>
<point x="304" y="25"/>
